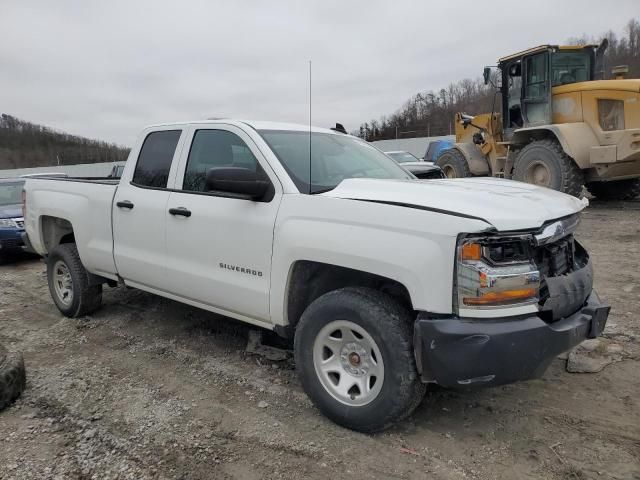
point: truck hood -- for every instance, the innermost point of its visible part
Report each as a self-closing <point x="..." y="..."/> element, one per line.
<point x="10" y="211"/>
<point x="505" y="204"/>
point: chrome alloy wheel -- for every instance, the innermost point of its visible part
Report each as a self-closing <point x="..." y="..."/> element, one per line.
<point x="62" y="283"/>
<point x="348" y="363"/>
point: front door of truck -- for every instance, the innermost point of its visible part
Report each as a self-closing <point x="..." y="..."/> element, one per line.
<point x="219" y="247"/>
<point x="139" y="210"/>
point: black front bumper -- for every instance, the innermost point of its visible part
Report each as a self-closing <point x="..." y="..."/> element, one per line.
<point x="459" y="352"/>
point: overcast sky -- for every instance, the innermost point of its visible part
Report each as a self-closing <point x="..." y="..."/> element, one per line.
<point x="106" y="69"/>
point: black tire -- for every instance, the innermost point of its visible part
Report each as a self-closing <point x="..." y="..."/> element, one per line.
<point x="615" y="190"/>
<point x="453" y="164"/>
<point x="85" y="298"/>
<point x="390" y="326"/>
<point x="13" y="379"/>
<point x="547" y="155"/>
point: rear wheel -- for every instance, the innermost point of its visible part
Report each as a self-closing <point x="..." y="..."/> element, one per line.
<point x="453" y="164"/>
<point x="354" y="357"/>
<point x="544" y="163"/>
<point x="69" y="282"/>
<point x="615" y="190"/>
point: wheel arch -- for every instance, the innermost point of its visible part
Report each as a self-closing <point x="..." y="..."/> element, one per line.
<point x="55" y="231"/>
<point x="308" y="280"/>
<point x="576" y="139"/>
<point x="477" y="162"/>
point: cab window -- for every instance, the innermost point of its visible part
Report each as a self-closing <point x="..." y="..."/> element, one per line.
<point x="536" y="76"/>
<point x="215" y="148"/>
<point x="514" y="93"/>
<point x="569" y="67"/>
<point x="154" y="161"/>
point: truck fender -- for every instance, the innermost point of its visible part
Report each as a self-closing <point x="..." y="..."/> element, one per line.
<point x="576" y="139"/>
<point x="477" y="162"/>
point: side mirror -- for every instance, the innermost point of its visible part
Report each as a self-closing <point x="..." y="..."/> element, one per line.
<point x="236" y="180"/>
<point x="486" y="74"/>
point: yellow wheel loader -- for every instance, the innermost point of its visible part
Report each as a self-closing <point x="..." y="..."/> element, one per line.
<point x="557" y="125"/>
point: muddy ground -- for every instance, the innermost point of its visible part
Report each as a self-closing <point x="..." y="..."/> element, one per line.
<point x="150" y="388"/>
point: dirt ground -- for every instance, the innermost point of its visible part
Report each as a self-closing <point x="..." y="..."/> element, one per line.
<point x="150" y="388"/>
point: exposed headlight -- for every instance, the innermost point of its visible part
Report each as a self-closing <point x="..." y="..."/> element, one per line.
<point x="611" y="114"/>
<point x="495" y="272"/>
<point x="7" y="223"/>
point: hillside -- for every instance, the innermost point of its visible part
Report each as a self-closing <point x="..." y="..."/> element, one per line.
<point x="431" y="113"/>
<point x="24" y="144"/>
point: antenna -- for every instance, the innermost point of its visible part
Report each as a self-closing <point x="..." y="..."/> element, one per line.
<point x="310" y="183"/>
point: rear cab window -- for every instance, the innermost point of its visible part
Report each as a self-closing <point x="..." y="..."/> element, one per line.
<point x="155" y="159"/>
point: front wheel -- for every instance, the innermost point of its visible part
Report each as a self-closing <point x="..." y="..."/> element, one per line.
<point x="354" y="356"/>
<point x="453" y="164"/>
<point x="615" y="190"/>
<point x="69" y="282"/>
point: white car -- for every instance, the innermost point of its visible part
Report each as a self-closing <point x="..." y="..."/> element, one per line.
<point x="383" y="282"/>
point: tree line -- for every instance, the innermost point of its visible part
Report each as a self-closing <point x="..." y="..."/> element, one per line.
<point x="432" y="113"/>
<point x="24" y="144"/>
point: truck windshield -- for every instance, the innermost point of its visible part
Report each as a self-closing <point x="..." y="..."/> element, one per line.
<point x="570" y="67"/>
<point x="333" y="158"/>
<point x="11" y="193"/>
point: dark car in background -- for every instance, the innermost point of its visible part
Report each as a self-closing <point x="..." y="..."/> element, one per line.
<point x="11" y="221"/>
<point x="424" y="170"/>
<point x="421" y="169"/>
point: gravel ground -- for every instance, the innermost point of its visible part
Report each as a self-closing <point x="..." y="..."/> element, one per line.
<point x="150" y="388"/>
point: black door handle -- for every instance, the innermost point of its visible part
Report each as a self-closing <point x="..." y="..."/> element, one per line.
<point x="180" y="211"/>
<point x="125" y="204"/>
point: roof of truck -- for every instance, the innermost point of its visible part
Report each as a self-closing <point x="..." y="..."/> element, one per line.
<point x="256" y="124"/>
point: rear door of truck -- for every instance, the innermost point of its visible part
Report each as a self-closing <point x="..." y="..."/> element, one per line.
<point x="140" y="208"/>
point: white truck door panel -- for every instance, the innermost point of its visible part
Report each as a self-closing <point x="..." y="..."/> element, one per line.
<point x="221" y="254"/>
<point x="140" y="210"/>
<point x="138" y="235"/>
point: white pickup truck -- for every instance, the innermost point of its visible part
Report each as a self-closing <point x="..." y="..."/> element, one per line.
<point x="385" y="283"/>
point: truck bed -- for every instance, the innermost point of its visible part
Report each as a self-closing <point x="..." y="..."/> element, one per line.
<point x="103" y="180"/>
<point x="86" y="204"/>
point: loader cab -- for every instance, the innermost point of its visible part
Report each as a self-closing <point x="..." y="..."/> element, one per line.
<point x="528" y="78"/>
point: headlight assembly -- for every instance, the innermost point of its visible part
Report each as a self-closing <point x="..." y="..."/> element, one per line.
<point x="7" y="223"/>
<point x="495" y="272"/>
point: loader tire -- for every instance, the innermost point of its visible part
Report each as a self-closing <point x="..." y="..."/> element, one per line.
<point x="69" y="282"/>
<point x="453" y="164"/>
<point x="12" y="377"/>
<point x="544" y="163"/>
<point x="615" y="190"/>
